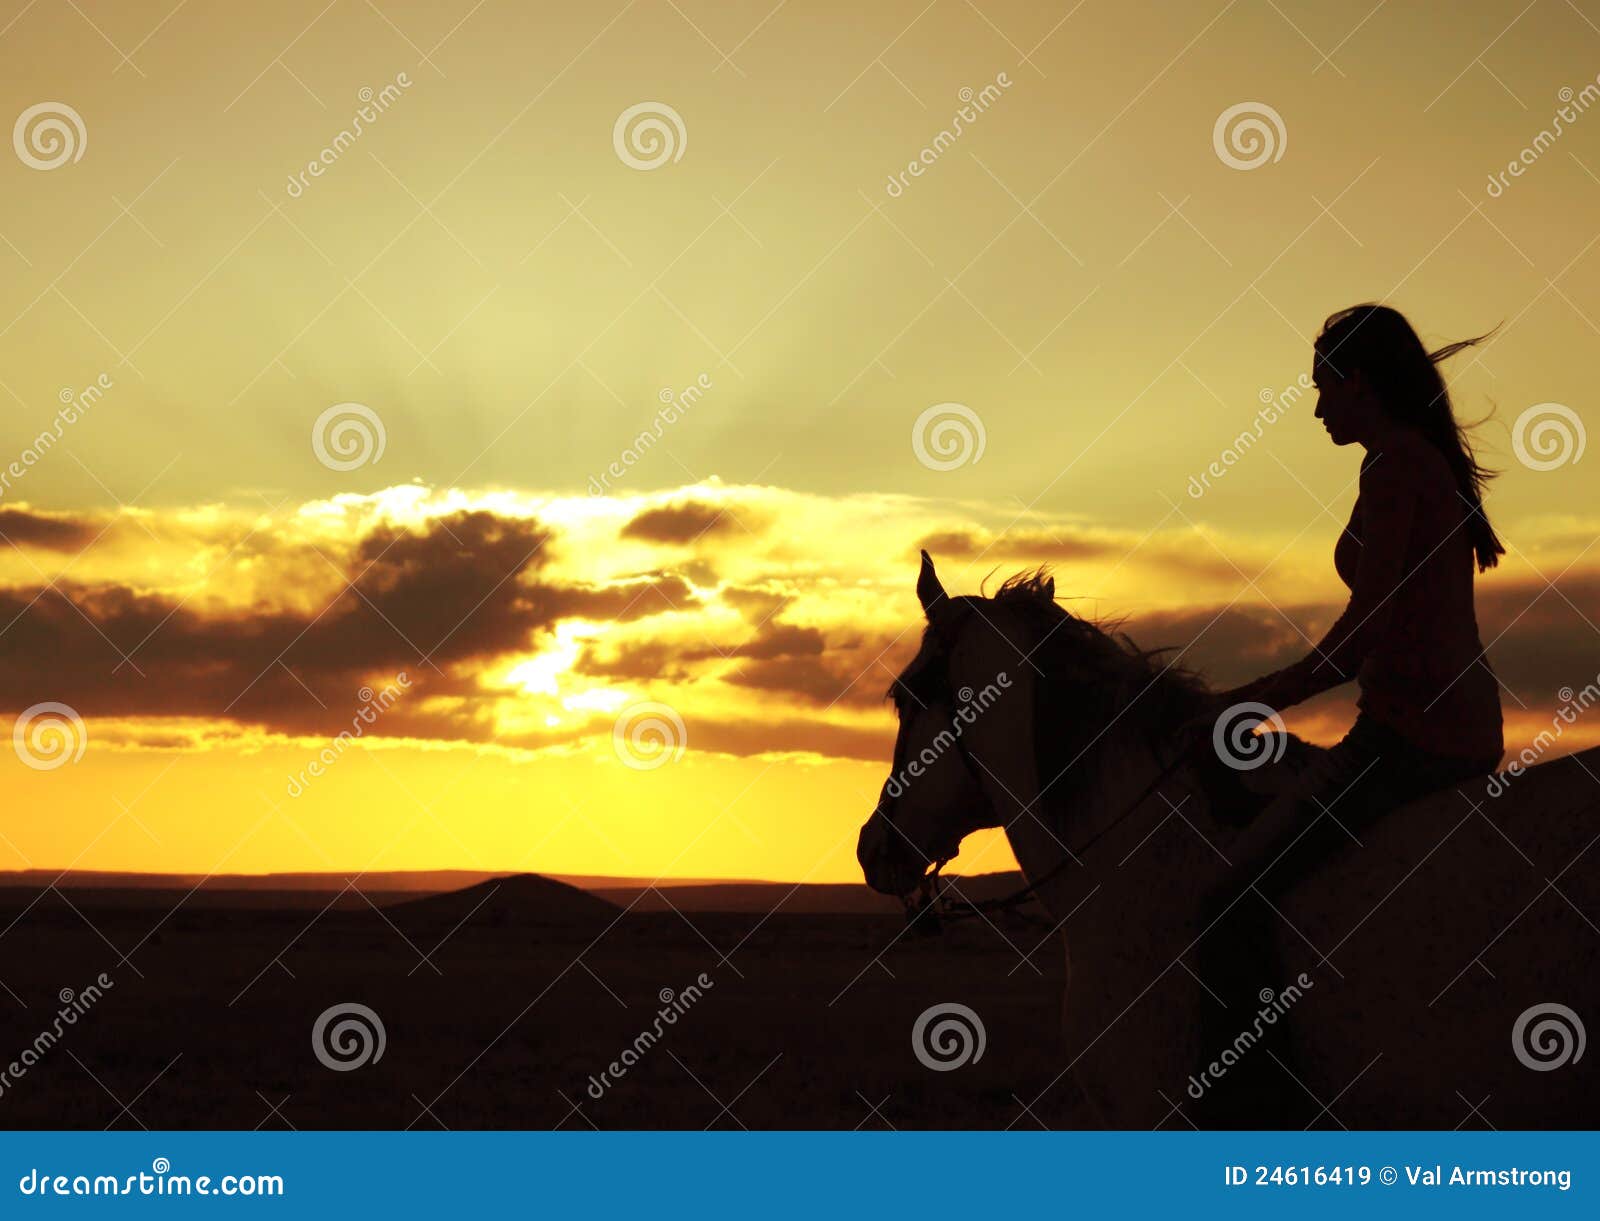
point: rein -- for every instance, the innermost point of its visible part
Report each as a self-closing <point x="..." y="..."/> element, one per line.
<point x="923" y="901"/>
<point x="961" y="909"/>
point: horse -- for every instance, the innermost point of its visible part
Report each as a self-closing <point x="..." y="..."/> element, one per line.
<point x="1439" y="970"/>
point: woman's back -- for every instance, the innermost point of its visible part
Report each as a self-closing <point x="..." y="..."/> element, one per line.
<point x="1426" y="675"/>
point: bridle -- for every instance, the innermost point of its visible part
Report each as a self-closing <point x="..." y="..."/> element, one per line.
<point x="939" y="907"/>
<point x="945" y="908"/>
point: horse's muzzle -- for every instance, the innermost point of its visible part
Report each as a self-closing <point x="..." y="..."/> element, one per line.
<point x="888" y="864"/>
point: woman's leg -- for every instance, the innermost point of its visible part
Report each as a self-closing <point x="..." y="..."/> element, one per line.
<point x="1237" y="953"/>
<point x="1371" y="771"/>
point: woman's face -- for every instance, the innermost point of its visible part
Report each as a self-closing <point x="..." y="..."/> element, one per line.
<point x="1345" y="405"/>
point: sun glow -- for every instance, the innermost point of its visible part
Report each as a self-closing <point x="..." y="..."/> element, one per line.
<point x="211" y="597"/>
<point x="541" y="673"/>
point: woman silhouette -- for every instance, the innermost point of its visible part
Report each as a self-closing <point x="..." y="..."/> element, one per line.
<point x="1429" y="709"/>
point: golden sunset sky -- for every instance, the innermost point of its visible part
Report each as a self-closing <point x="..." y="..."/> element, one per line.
<point x="496" y="274"/>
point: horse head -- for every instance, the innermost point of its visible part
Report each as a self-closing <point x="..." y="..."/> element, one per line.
<point x="937" y="791"/>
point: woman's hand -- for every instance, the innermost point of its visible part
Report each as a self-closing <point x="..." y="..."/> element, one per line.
<point x="1200" y="725"/>
<point x="1214" y="704"/>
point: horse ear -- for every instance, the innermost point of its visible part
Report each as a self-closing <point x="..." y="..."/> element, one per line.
<point x="1050" y="588"/>
<point x="929" y="592"/>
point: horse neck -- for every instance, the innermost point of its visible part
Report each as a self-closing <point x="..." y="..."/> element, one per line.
<point x="1114" y="812"/>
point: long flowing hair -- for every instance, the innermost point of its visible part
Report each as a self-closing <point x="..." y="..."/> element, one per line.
<point x="1379" y="343"/>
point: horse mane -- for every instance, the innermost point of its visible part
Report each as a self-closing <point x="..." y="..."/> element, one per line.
<point x="1101" y="644"/>
<point x="1098" y="645"/>
<point x="1092" y="675"/>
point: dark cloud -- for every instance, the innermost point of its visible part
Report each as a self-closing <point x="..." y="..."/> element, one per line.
<point x="49" y="531"/>
<point x="812" y="679"/>
<point x="1542" y="638"/>
<point x="619" y="602"/>
<point x="751" y="737"/>
<point x="1031" y="547"/>
<point x="1231" y="645"/>
<point x="774" y="640"/>
<point x="449" y="591"/>
<point x="1015" y="545"/>
<point x="791" y="661"/>
<point x="687" y="522"/>
<point x="438" y="602"/>
<point x="701" y="571"/>
<point x="637" y="662"/>
<point x="447" y="601"/>
<point x="754" y="602"/>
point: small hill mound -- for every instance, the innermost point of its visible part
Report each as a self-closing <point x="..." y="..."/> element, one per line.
<point x="521" y="900"/>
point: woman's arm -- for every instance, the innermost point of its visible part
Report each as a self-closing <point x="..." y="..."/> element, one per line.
<point x="1388" y="508"/>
